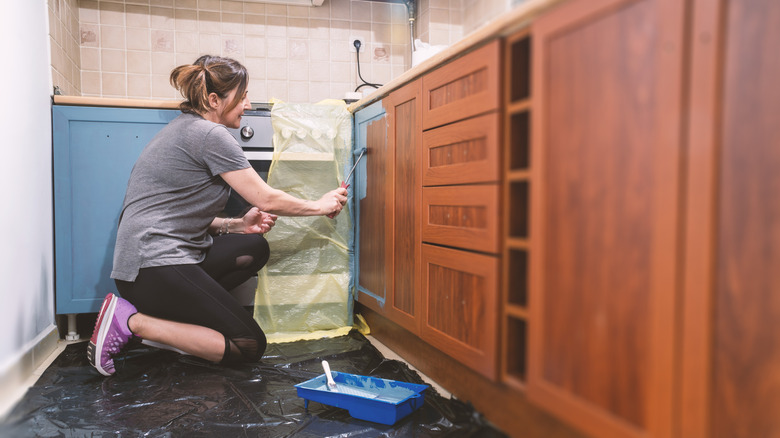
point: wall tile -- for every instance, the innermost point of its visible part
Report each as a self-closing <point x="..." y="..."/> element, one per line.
<point x="90" y="35"/>
<point x="90" y="83"/>
<point x="138" y="16"/>
<point x="112" y="37"/>
<point x="232" y="24"/>
<point x="138" y="86"/>
<point x="361" y="11"/>
<point x="186" y="42"/>
<point x="112" y="61"/>
<point x="186" y="20"/>
<point x="254" y="46"/>
<point x="233" y="47"/>
<point x="114" y="84"/>
<point x="380" y="12"/>
<point x="277" y="47"/>
<point x="298" y="70"/>
<point x="340" y="9"/>
<point x="138" y="39"/>
<point x="254" y="25"/>
<point x="163" y="18"/>
<point x="281" y="45"/>
<point x="90" y="59"/>
<point x="299" y="49"/>
<point x="162" y="40"/>
<point x="298" y="28"/>
<point x="139" y="63"/>
<point x="209" y="43"/>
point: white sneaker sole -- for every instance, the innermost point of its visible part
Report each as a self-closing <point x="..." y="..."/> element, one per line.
<point x="95" y="351"/>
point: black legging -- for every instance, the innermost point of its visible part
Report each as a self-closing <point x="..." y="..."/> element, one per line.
<point x="198" y="294"/>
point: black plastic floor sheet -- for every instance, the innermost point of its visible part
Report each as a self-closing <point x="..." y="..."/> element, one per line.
<point x="161" y="393"/>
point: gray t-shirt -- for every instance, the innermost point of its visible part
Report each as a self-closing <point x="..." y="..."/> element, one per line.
<point x="174" y="193"/>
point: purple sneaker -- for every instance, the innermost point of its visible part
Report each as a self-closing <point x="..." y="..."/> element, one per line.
<point x="111" y="333"/>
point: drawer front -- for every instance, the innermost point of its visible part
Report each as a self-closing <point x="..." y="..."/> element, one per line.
<point x="462" y="153"/>
<point x="463" y="88"/>
<point x="462" y="216"/>
<point x="460" y="302"/>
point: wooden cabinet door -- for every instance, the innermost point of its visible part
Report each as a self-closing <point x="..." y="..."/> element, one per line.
<point x="403" y="108"/>
<point x="373" y="208"/>
<point x="604" y="244"/>
<point x="731" y="343"/>
<point x="460" y="306"/>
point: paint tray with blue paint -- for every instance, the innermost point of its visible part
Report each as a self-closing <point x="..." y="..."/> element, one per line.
<point x="366" y="398"/>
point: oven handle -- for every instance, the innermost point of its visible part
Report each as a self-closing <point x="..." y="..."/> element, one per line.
<point x="259" y="156"/>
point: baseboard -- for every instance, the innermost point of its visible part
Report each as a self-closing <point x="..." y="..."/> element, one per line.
<point x="21" y="372"/>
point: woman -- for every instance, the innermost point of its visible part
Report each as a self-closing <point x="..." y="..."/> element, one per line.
<point x="175" y="260"/>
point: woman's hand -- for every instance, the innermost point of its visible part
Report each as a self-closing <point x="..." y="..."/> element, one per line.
<point x="258" y="222"/>
<point x="332" y="202"/>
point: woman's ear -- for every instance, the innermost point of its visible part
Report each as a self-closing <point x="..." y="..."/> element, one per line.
<point x="214" y="101"/>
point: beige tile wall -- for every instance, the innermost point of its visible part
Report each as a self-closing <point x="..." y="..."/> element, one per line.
<point x="444" y="22"/>
<point x="293" y="53"/>
<point x="64" y="42"/>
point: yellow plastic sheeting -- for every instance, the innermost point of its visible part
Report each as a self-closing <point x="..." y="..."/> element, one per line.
<point x="303" y="289"/>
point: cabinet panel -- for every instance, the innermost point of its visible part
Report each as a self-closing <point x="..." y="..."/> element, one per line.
<point x="374" y="207"/>
<point x="603" y="237"/>
<point x="462" y="216"/>
<point x="462" y="153"/>
<point x="460" y="306"/>
<point x="731" y="309"/>
<point x="94" y="152"/>
<point x="403" y="107"/>
<point x="463" y="88"/>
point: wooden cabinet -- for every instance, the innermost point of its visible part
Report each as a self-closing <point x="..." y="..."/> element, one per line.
<point x="460" y="208"/>
<point x="604" y="211"/>
<point x="388" y="211"/>
<point x="731" y="307"/>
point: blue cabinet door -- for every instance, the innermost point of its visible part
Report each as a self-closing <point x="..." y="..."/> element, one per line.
<point x="94" y="151"/>
<point x="373" y="224"/>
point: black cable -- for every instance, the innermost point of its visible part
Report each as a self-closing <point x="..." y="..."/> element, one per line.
<point x="365" y="83"/>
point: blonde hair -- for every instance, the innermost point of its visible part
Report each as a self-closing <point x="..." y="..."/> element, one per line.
<point x="209" y="74"/>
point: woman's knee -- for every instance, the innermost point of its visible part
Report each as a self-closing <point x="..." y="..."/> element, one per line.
<point x="249" y="349"/>
<point x="257" y="254"/>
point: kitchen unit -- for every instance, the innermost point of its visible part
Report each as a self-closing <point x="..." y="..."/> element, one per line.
<point x="630" y="293"/>
<point x="567" y="219"/>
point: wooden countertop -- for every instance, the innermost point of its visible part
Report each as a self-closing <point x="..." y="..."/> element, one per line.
<point x="506" y="24"/>
<point x="116" y="102"/>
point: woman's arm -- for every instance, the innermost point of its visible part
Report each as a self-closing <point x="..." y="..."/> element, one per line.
<point x="253" y="222"/>
<point x="248" y="184"/>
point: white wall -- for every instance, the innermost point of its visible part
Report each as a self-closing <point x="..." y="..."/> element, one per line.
<point x="26" y="222"/>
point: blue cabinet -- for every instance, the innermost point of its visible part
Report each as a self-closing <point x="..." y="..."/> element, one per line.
<point x="95" y="149"/>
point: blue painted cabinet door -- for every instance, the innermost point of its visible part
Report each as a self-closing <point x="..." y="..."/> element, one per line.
<point x="95" y="149"/>
<point x="374" y="222"/>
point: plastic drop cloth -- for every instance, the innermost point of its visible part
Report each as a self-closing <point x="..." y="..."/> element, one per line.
<point x="302" y="292"/>
<point x="159" y="393"/>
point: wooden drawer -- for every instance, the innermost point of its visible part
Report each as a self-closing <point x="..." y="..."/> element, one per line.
<point x="463" y="88"/>
<point x="460" y="314"/>
<point x="462" y="216"/>
<point x="462" y="153"/>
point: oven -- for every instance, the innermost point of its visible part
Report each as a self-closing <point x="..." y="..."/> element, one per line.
<point x="256" y="139"/>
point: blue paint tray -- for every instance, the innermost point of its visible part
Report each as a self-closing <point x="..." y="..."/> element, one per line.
<point x="366" y="398"/>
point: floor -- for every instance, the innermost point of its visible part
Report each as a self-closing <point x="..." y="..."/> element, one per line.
<point x="12" y="397"/>
<point x="158" y="392"/>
